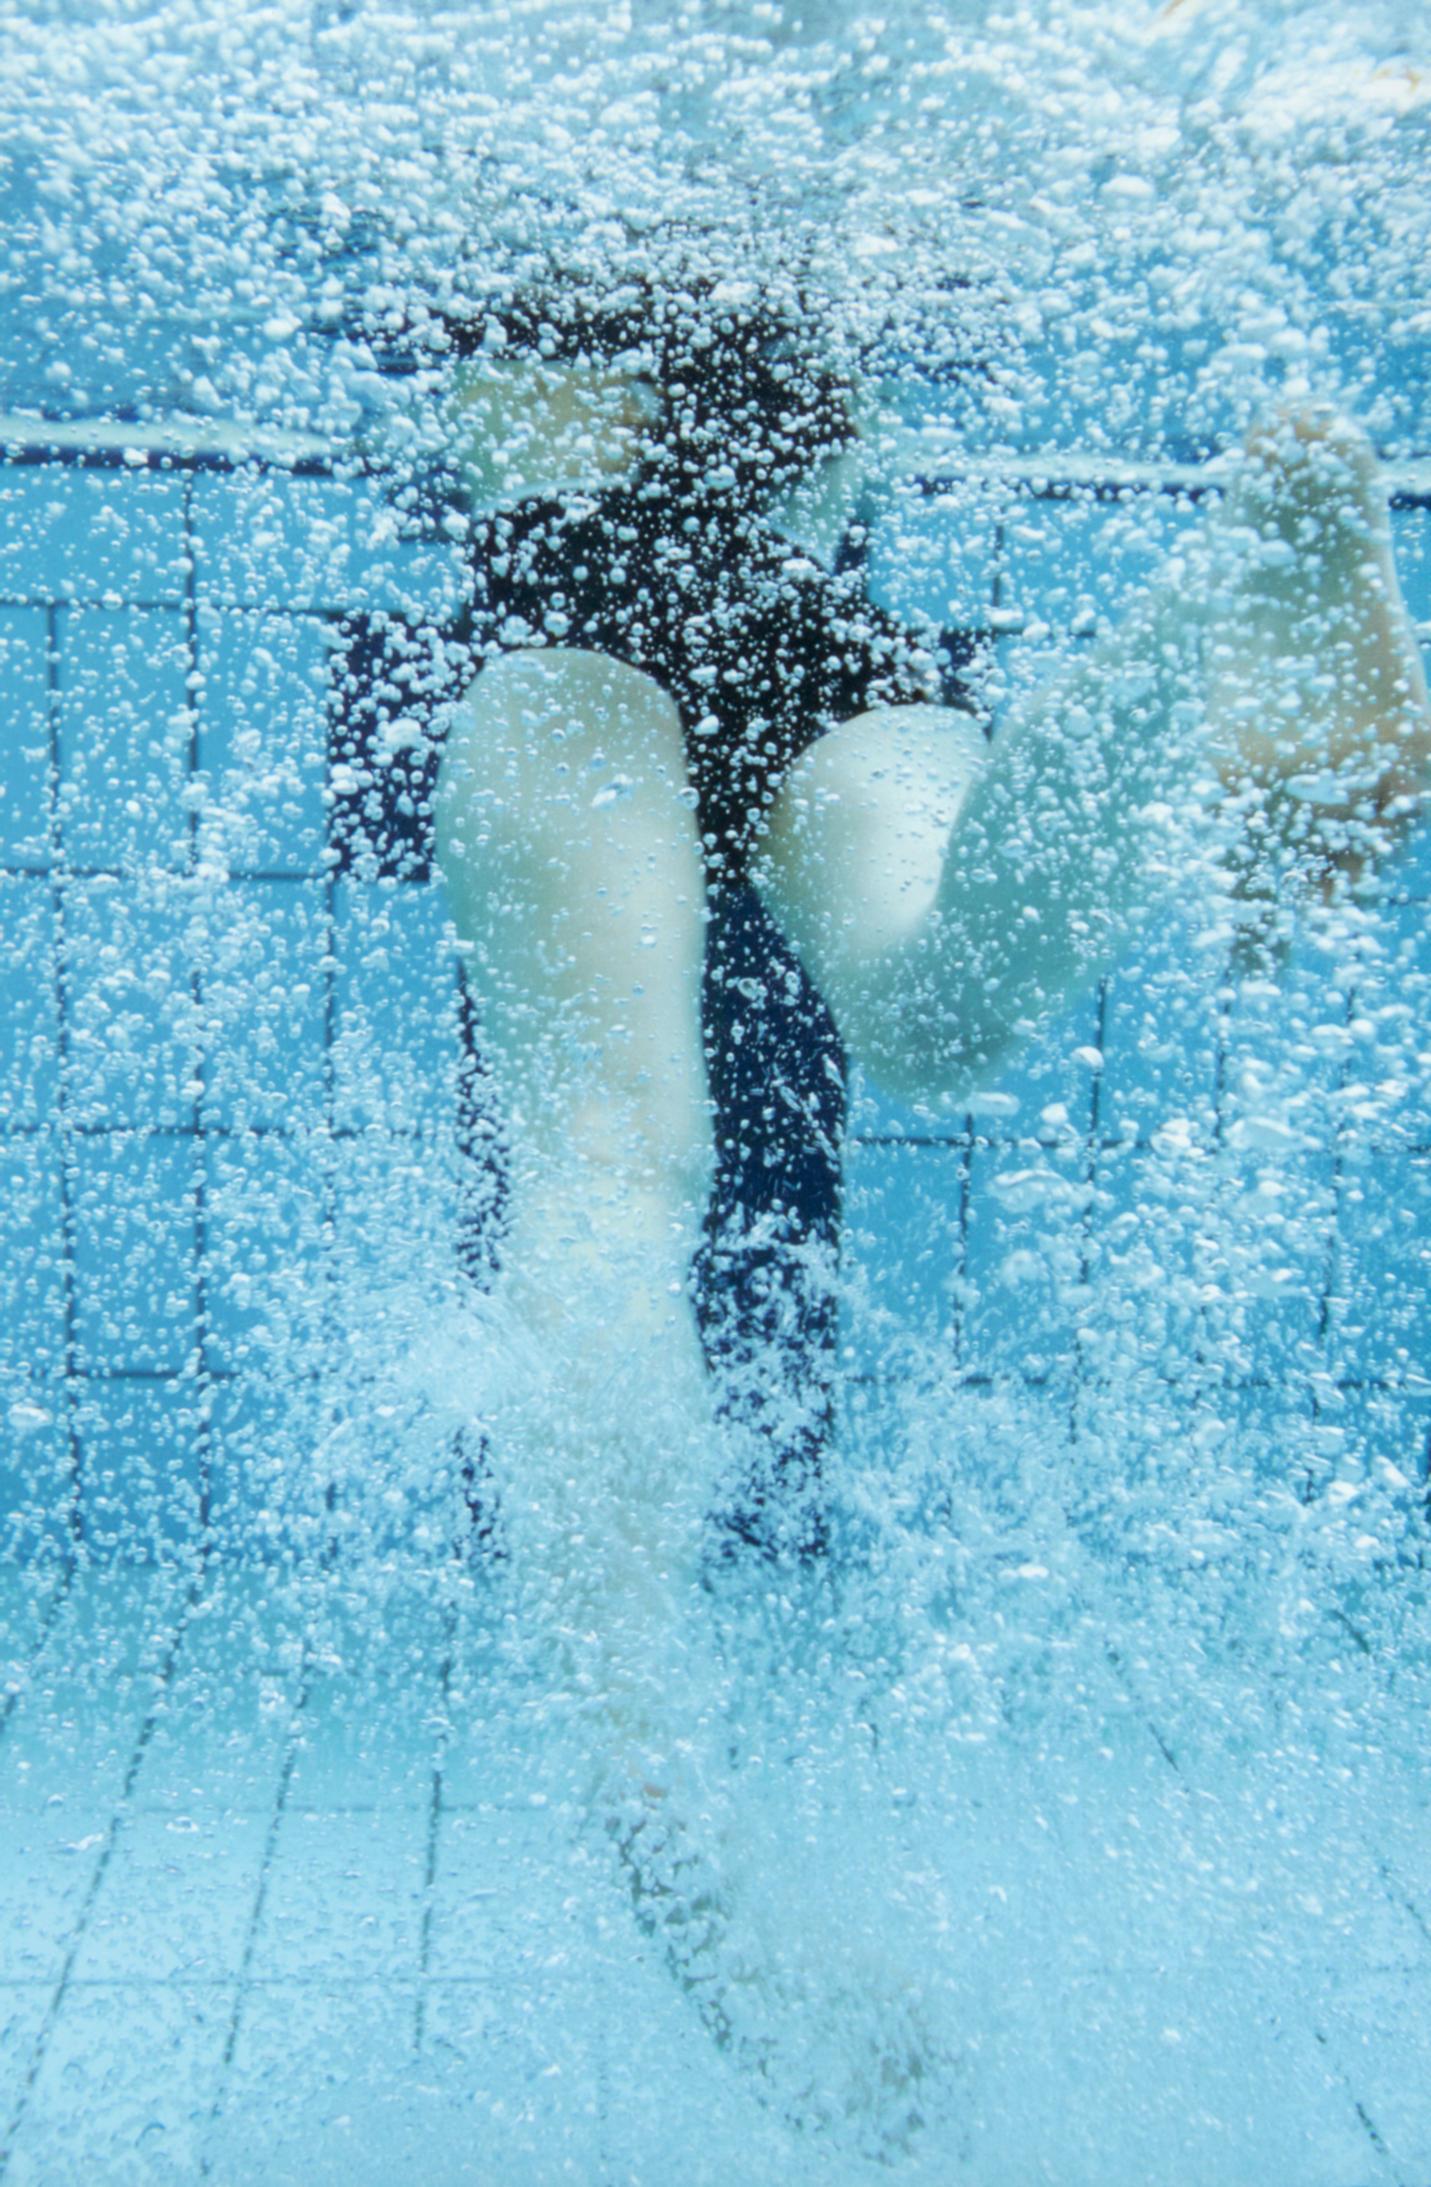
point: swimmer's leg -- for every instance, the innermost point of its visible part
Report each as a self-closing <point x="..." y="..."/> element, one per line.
<point x="945" y="897"/>
<point x="571" y="857"/>
<point x="565" y="835"/>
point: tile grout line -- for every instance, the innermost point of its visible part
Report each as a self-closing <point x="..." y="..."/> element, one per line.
<point x="59" y="878"/>
<point x="1364" y="2118"/>
<point x="435" y="1813"/>
<point x="203" y="1318"/>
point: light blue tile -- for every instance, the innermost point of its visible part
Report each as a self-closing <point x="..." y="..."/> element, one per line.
<point x="904" y="1251"/>
<point x="1411" y="543"/>
<point x="1381" y="1326"/>
<point x="1048" y="569"/>
<point x="262" y="738"/>
<point x="263" y="1223"/>
<point x="140" y="1469"/>
<point x="394" y="1211"/>
<point x="935" y="554"/>
<point x="134" y="1252"/>
<point x="1265" y="1245"/>
<point x="1382" y="1429"/>
<point x="397" y="1046"/>
<point x="266" y="540"/>
<point x="32" y="1258"/>
<point x="1024" y="667"/>
<point x="24" y="738"/>
<point x="873" y="1114"/>
<point x="29" y="1017"/>
<point x="125" y="736"/>
<point x="1161" y="1036"/>
<point x="73" y="534"/>
<point x="1286" y="1052"/>
<point x="1383" y="1093"/>
<point x="1079" y="562"/>
<point x="1209" y="1273"/>
<point x="36" y="1472"/>
<point x="1028" y="1209"/>
<point x="1146" y="1261"/>
<point x="1046" y="1089"/>
<point x="265" y="999"/>
<point x="132" y="1025"/>
<point x="268" y="1486"/>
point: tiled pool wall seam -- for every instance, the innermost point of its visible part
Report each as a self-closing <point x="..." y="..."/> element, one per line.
<point x="222" y="1071"/>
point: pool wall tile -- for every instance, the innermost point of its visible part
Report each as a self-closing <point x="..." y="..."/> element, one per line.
<point x="33" y="1281"/>
<point x="125" y="736"/>
<point x="262" y="738"/>
<point x="1076" y="561"/>
<point x="133" y="1026"/>
<point x="264" y="1220"/>
<point x="904" y="1251"/>
<point x="29" y="1003"/>
<point x="1381" y="1315"/>
<point x="396" y="1034"/>
<point x="1028" y="1212"/>
<point x="24" y="737"/>
<point x="266" y="541"/>
<point x="150" y="1506"/>
<point x="134" y="1252"/>
<point x="935" y="555"/>
<point x="72" y="534"/>
<point x="37" y="1476"/>
<point x="267" y="1486"/>
<point x="263" y="979"/>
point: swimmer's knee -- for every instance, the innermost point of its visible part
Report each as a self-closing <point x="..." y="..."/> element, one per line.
<point x="550" y="750"/>
<point x="543" y="713"/>
<point x="853" y="850"/>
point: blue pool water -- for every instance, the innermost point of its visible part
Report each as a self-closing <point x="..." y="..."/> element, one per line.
<point x="1093" y="1767"/>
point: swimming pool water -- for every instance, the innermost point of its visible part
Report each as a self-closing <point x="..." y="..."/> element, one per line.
<point x="1096" y="1757"/>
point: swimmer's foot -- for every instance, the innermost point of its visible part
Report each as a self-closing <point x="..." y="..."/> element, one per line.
<point x="848" y="2056"/>
<point x="1317" y="699"/>
<point x="680" y="1907"/>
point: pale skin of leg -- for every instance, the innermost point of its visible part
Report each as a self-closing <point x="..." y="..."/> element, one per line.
<point x="946" y="900"/>
<point x="574" y="873"/>
<point x="567" y="837"/>
<point x="944" y="897"/>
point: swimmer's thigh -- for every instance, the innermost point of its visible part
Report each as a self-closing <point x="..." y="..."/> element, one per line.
<point x="565" y="833"/>
<point x="854" y="854"/>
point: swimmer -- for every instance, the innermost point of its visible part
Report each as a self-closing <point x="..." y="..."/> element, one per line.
<point x="684" y="705"/>
<point x="686" y="698"/>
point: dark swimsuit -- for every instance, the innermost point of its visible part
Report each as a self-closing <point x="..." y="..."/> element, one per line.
<point x="762" y="650"/>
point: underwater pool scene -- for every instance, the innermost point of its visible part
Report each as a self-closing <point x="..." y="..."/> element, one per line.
<point x="608" y="1575"/>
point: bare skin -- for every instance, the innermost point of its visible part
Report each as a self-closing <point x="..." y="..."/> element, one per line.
<point x="945" y="896"/>
<point x="1270" y="670"/>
